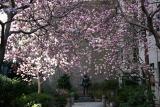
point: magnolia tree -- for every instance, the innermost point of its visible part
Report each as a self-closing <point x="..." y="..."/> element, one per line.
<point x="117" y="27"/>
<point x="143" y="15"/>
<point x="98" y="37"/>
<point x="93" y="37"/>
<point x="29" y="16"/>
<point x="26" y="21"/>
<point x="146" y="15"/>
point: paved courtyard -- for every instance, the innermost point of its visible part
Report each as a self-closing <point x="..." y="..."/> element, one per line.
<point x="88" y="104"/>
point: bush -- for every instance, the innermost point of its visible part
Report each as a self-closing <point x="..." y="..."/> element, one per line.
<point x="134" y="96"/>
<point x="96" y="90"/>
<point x="33" y="99"/>
<point x="16" y="93"/>
<point x="110" y="85"/>
<point x="10" y="89"/>
<point x="105" y="88"/>
<point x="60" y="101"/>
<point x="24" y="101"/>
<point x="44" y="99"/>
<point x="64" y="82"/>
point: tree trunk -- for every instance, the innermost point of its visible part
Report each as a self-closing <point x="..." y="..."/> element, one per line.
<point x="39" y="83"/>
<point x="5" y="33"/>
<point x="2" y="52"/>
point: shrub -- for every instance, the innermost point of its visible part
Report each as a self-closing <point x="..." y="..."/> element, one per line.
<point x="60" y="101"/>
<point x="24" y="101"/>
<point x="104" y="88"/>
<point x="10" y="89"/>
<point x="134" y="96"/>
<point x="64" y="82"/>
<point x="96" y="90"/>
<point x="33" y="99"/>
<point x="110" y="85"/>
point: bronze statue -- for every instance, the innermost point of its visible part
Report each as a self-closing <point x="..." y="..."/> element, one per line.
<point x="85" y="84"/>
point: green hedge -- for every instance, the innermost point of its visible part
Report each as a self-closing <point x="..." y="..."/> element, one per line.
<point x="64" y="82"/>
<point x="34" y="98"/>
<point x="10" y="89"/>
<point x="134" y="96"/>
<point x="16" y="93"/>
<point x="104" y="88"/>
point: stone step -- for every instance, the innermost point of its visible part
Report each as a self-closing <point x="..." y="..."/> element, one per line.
<point x="85" y="99"/>
<point x="88" y="104"/>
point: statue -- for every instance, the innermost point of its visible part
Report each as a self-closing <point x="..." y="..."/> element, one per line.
<point x="85" y="84"/>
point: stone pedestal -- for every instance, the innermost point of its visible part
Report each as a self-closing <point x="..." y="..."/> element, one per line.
<point x="69" y="102"/>
<point x="85" y="99"/>
<point x="104" y="101"/>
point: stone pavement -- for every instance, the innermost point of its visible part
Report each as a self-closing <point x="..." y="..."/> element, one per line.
<point x="88" y="104"/>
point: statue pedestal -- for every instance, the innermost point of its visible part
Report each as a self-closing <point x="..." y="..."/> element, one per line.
<point x="85" y="99"/>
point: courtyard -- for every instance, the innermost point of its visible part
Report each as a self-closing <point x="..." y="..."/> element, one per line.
<point x="79" y="53"/>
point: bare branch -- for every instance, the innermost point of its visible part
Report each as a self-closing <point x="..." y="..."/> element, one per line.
<point x="67" y="10"/>
<point x="138" y="25"/>
<point x="2" y="6"/>
<point x="129" y="21"/>
<point x="144" y="8"/>
<point x="13" y="3"/>
<point x="23" y="20"/>
<point x="31" y="1"/>
<point x="156" y="11"/>
<point x="28" y="32"/>
<point x="65" y="13"/>
<point x="22" y="7"/>
<point x="155" y="2"/>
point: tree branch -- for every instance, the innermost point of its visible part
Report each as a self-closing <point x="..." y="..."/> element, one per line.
<point x="67" y="11"/>
<point x="138" y="25"/>
<point x="127" y="20"/>
<point x="144" y="8"/>
<point x="31" y="1"/>
<point x="28" y="32"/>
<point x="156" y="11"/>
<point x="2" y="6"/>
<point x="13" y="3"/>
